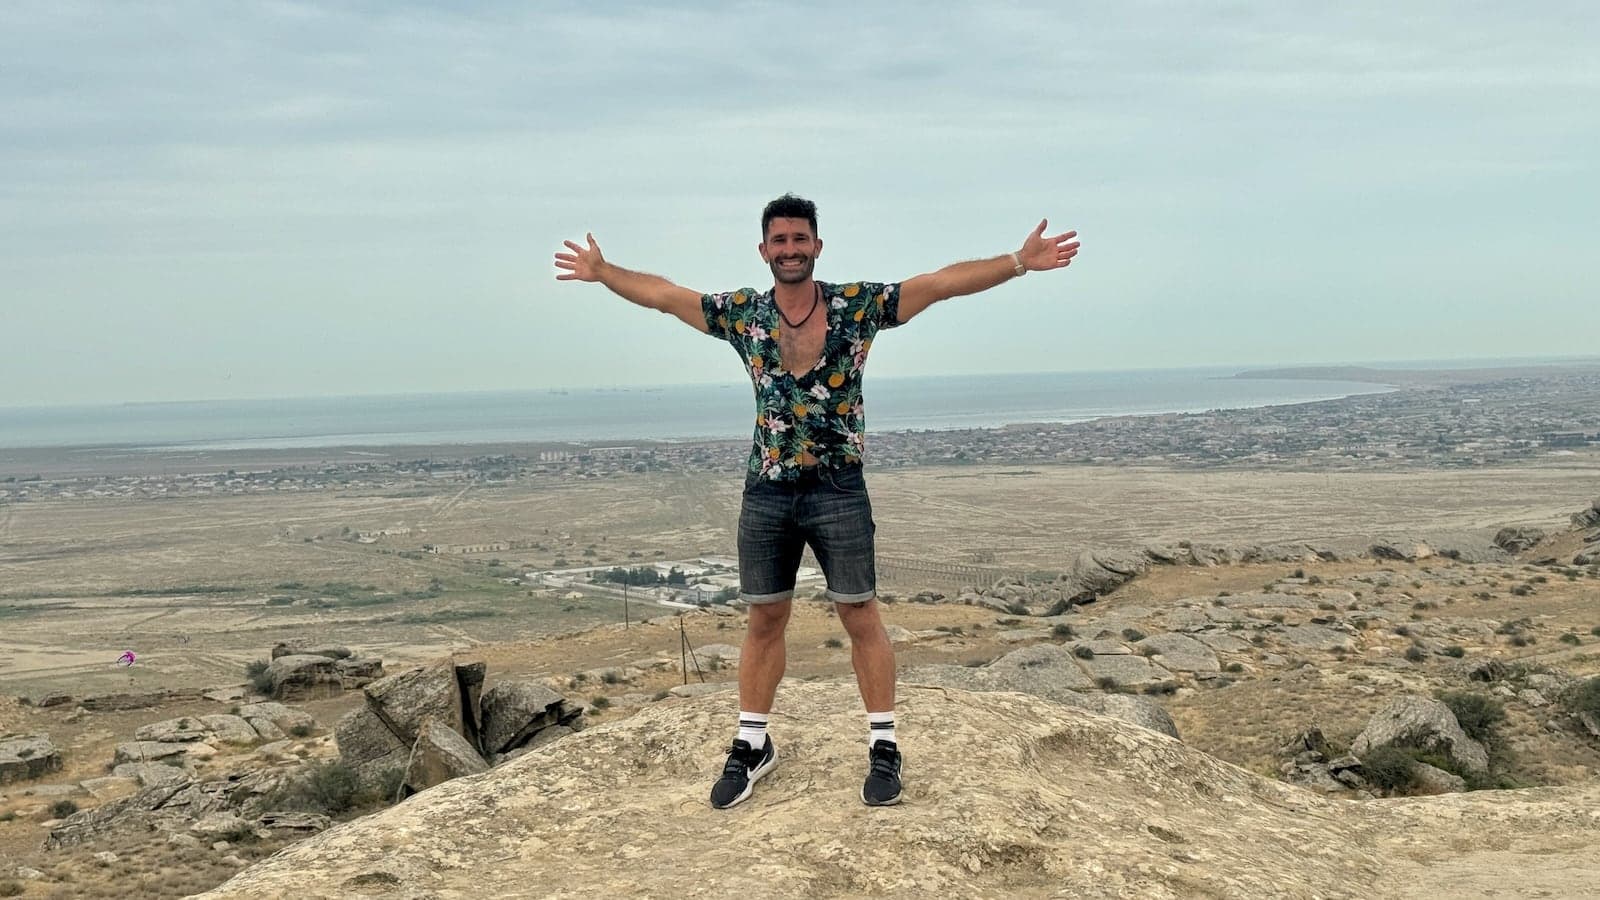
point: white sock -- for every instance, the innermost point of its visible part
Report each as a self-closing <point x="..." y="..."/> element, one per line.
<point x="880" y="727"/>
<point x="753" y="729"/>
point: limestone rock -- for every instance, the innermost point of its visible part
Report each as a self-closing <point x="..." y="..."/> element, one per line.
<point x="1064" y="804"/>
<point x="515" y="710"/>
<point x="1516" y="540"/>
<point x="25" y="757"/>
<point x="368" y="746"/>
<point x="358" y="671"/>
<point x="153" y="774"/>
<point x="271" y="720"/>
<point x="1421" y="722"/>
<point x="148" y="751"/>
<point x="185" y="728"/>
<point x="231" y="729"/>
<point x="1181" y="653"/>
<point x="440" y="754"/>
<point x="299" y="648"/>
<point x="404" y="699"/>
<point x="303" y="677"/>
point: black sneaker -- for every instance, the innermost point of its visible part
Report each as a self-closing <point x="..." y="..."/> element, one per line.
<point x="882" y="787"/>
<point x="743" y="769"/>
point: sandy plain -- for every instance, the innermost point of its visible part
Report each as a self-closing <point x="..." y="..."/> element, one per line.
<point x="188" y="584"/>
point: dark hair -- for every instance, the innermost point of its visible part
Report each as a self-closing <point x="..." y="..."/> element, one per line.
<point x="789" y="207"/>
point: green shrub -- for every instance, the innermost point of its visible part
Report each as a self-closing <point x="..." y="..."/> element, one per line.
<point x="833" y="643"/>
<point x="1106" y="683"/>
<point x="1416" y="654"/>
<point x="1133" y="634"/>
<point x="1018" y="609"/>
<point x="1389" y="769"/>
<point x="1162" y="687"/>
<point x="1233" y="667"/>
<point x="1583" y="697"/>
<point x="11" y="888"/>
<point x="1570" y="638"/>
<point x="600" y="701"/>
<point x="1082" y="651"/>
<point x="328" y="787"/>
<point x="1454" y="651"/>
<point x="301" y="730"/>
<point x="1477" y="713"/>
<point x="62" y="808"/>
<point x="1595" y="631"/>
<point x="260" y="679"/>
<point x="1063" y="630"/>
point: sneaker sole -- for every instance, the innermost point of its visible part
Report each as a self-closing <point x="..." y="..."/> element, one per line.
<point x="755" y="776"/>
<point x="894" y="802"/>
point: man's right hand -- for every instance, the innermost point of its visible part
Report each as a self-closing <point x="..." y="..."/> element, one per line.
<point x="582" y="264"/>
<point x="650" y="291"/>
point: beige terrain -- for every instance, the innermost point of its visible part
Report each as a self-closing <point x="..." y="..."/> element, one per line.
<point x="188" y="583"/>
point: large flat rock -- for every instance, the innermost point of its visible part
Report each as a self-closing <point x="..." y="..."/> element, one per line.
<point x="1007" y="795"/>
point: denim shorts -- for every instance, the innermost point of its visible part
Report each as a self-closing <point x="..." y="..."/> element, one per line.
<point x="826" y="508"/>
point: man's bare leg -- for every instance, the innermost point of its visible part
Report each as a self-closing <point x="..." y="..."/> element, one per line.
<point x="870" y="653"/>
<point x="762" y="660"/>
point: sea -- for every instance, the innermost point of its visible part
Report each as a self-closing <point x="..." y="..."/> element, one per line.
<point x="662" y="413"/>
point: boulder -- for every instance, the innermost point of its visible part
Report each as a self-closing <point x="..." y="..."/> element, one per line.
<point x="303" y="677"/>
<point x="149" y="751"/>
<point x="1588" y="518"/>
<point x="231" y="729"/>
<point x="299" y="648"/>
<point x="404" y="699"/>
<point x="1433" y="780"/>
<point x="150" y="775"/>
<point x="25" y="757"/>
<point x="1415" y="721"/>
<point x="358" y="671"/>
<point x="439" y="755"/>
<point x="271" y="720"/>
<point x="515" y="710"/>
<point x="294" y="822"/>
<point x="1126" y="671"/>
<point x="368" y="746"/>
<point x="1518" y="539"/>
<point x="1181" y="653"/>
<point x="185" y="728"/>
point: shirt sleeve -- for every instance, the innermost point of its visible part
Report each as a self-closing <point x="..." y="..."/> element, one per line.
<point x="716" y="308"/>
<point x="883" y="304"/>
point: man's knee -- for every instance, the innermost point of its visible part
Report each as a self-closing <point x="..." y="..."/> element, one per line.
<point x="768" y="620"/>
<point x="860" y="620"/>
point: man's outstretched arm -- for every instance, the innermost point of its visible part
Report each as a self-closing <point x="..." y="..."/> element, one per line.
<point x="1038" y="254"/>
<point x="649" y="291"/>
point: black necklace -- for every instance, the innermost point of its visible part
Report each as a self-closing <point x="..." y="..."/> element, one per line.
<point x="815" y="302"/>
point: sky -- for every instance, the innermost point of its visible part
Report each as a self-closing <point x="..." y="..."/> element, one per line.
<point x="204" y="200"/>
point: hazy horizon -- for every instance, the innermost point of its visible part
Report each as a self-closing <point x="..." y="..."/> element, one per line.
<point x="286" y="199"/>
<point x="1464" y="362"/>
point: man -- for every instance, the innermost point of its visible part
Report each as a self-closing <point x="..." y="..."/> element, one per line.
<point x="804" y="344"/>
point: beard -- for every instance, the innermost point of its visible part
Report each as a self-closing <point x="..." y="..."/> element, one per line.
<point x="792" y="276"/>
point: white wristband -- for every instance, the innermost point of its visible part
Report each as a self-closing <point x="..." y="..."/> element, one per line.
<point x="1016" y="264"/>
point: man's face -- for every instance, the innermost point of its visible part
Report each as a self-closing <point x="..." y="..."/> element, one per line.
<point x="791" y="250"/>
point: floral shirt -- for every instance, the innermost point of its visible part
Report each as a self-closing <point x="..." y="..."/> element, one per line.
<point x="819" y="411"/>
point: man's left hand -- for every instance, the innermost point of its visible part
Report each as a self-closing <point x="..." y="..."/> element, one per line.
<point x="1040" y="253"/>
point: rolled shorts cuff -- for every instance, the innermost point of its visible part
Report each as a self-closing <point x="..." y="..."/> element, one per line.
<point x="862" y="597"/>
<point x="757" y="599"/>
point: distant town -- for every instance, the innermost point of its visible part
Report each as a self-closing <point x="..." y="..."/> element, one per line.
<point x="1496" y="423"/>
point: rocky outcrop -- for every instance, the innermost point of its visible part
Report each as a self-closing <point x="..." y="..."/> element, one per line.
<point x="304" y="677"/>
<point x="1588" y="518"/>
<point x="441" y="754"/>
<point x="437" y="722"/>
<point x="1427" y="724"/>
<point x="25" y="757"/>
<point x="1006" y="795"/>
<point x="1518" y="539"/>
